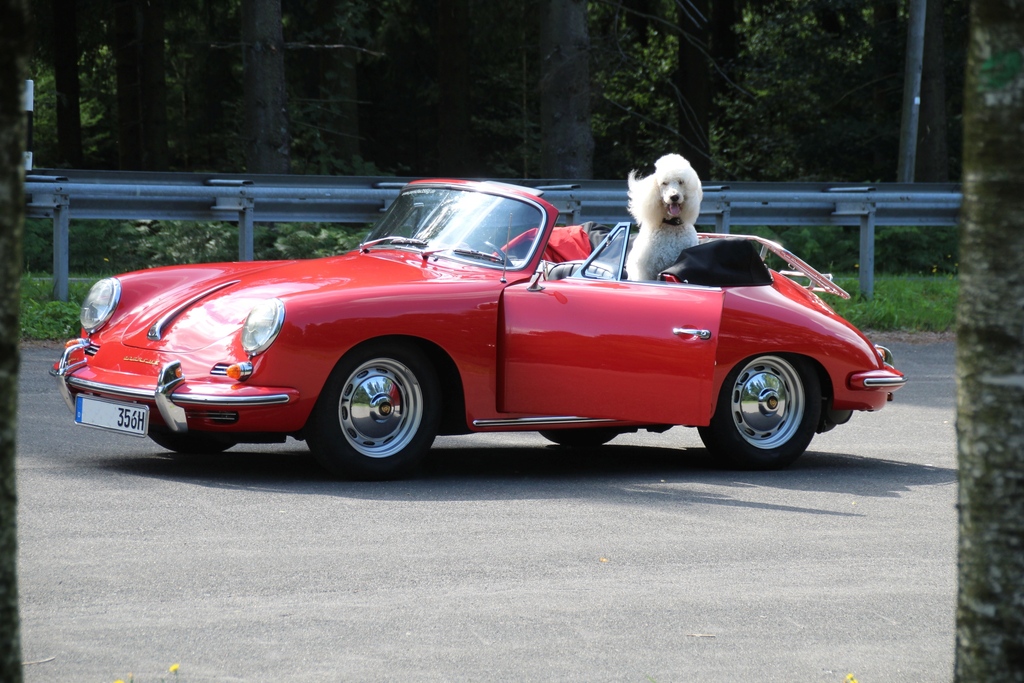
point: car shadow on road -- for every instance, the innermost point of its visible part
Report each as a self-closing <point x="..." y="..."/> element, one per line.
<point x="547" y="472"/>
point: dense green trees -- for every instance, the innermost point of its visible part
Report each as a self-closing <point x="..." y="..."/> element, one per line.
<point x="781" y="90"/>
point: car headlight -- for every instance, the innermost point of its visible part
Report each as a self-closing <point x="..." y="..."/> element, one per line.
<point x="100" y="303"/>
<point x="262" y="325"/>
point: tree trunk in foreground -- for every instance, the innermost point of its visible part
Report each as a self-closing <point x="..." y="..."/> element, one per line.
<point x="14" y="51"/>
<point x="567" y="141"/>
<point x="990" y="352"/>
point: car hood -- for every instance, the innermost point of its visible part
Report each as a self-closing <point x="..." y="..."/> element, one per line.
<point x="186" y="308"/>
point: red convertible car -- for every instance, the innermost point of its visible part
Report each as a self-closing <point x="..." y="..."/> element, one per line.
<point x="467" y="310"/>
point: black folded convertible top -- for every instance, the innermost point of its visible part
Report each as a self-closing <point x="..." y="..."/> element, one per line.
<point x="721" y="263"/>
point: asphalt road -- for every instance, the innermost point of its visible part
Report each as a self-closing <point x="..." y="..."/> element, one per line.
<point x="505" y="560"/>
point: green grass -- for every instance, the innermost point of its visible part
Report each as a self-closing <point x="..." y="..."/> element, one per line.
<point x="42" y="317"/>
<point x="911" y="304"/>
<point x="905" y="303"/>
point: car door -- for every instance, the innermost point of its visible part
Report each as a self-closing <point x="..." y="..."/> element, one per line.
<point x="633" y="351"/>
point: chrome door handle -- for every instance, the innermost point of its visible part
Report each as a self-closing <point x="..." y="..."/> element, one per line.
<point x="689" y="331"/>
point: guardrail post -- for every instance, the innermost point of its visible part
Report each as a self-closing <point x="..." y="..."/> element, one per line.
<point x="54" y="203"/>
<point x="863" y="206"/>
<point x="573" y="209"/>
<point x="243" y="205"/>
<point x="719" y="207"/>
<point x="246" y="251"/>
<point x="867" y="253"/>
<point x="61" y="229"/>
<point x="722" y="220"/>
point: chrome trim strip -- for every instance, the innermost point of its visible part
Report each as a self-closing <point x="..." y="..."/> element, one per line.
<point x="156" y="332"/>
<point x="201" y="400"/>
<point x="885" y="381"/>
<point x="191" y="399"/>
<point x="125" y="392"/>
<point x="539" y="421"/>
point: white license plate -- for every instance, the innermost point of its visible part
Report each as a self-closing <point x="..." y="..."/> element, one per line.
<point x="115" y="416"/>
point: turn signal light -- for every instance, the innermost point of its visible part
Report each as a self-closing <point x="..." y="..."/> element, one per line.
<point x="239" y="371"/>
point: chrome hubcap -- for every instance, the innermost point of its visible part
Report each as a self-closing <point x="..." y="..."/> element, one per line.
<point x="381" y="408"/>
<point x="768" y="402"/>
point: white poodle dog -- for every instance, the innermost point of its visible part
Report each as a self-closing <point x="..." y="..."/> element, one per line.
<point x="665" y="205"/>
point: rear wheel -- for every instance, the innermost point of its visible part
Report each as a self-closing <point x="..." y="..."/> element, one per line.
<point x="378" y="413"/>
<point x="767" y="413"/>
<point x="189" y="443"/>
<point x="590" y="437"/>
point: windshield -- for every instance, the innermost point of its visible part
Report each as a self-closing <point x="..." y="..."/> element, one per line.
<point x="462" y="223"/>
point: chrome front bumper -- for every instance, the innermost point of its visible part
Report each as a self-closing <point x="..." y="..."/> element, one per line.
<point x="170" y="378"/>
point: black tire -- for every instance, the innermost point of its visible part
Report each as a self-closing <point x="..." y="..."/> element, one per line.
<point x="767" y="413"/>
<point x="378" y="414"/>
<point x="189" y="443"/>
<point x="589" y="437"/>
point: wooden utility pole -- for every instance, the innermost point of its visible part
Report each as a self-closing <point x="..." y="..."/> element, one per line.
<point x="911" y="91"/>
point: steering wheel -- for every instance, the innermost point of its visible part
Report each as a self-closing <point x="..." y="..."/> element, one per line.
<point x="500" y="252"/>
<point x="521" y="243"/>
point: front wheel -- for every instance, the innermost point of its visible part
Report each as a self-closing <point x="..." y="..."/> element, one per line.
<point x="378" y="413"/>
<point x="767" y="413"/>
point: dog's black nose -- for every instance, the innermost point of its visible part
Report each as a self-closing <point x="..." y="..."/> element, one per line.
<point x="674" y="198"/>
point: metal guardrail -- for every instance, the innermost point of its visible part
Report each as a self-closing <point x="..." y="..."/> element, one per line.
<point x="246" y="199"/>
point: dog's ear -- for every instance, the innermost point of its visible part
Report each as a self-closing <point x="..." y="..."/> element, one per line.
<point x="637" y="188"/>
<point x="637" y="195"/>
<point x="697" y="191"/>
<point x="694" y="198"/>
<point x="633" y="179"/>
